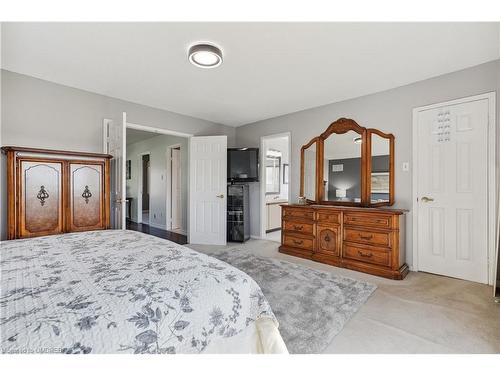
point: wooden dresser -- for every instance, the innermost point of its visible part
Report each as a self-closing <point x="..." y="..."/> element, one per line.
<point x="367" y="239"/>
<point x="52" y="192"/>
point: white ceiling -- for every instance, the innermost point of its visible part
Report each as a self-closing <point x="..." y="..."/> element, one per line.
<point x="269" y="69"/>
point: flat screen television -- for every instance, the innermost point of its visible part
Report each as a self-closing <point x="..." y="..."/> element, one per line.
<point x="242" y="164"/>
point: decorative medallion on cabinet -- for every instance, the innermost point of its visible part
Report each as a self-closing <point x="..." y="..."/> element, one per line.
<point x="52" y="192"/>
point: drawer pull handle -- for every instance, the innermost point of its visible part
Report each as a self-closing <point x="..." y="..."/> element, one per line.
<point x="365" y="255"/>
<point x="298" y="227"/>
<point x="366" y="237"/>
<point x="298" y="242"/>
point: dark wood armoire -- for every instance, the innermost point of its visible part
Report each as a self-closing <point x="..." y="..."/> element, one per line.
<point x="53" y="192"/>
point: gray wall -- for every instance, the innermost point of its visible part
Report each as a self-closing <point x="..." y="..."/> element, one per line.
<point x="389" y="111"/>
<point x="43" y="114"/>
<point x="157" y="147"/>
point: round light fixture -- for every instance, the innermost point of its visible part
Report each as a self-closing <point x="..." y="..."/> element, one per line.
<point x="205" y="55"/>
<point x="357" y="140"/>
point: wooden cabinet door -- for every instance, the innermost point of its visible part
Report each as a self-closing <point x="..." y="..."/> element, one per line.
<point x="328" y="240"/>
<point x="41" y="198"/>
<point x="86" y="196"/>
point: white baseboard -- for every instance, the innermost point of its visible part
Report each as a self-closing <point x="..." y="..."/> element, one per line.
<point x="256" y="237"/>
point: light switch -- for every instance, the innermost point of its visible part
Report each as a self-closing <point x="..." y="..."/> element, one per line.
<point x="406" y="166"/>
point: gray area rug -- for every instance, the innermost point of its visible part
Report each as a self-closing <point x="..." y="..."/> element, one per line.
<point x="311" y="306"/>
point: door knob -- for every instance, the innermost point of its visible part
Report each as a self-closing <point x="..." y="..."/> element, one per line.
<point x="220" y="196"/>
<point x="427" y="199"/>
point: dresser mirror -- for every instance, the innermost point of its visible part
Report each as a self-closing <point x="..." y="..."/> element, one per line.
<point x="348" y="165"/>
<point x="308" y="170"/>
<point x="342" y="167"/>
<point x="380" y="165"/>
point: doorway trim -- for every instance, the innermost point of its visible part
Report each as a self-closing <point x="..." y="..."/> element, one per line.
<point x="262" y="171"/>
<point x="151" y="129"/>
<point x="492" y="191"/>
<point x="169" y="188"/>
<point x="140" y="188"/>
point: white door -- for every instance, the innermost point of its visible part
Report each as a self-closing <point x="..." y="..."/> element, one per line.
<point x="176" y="189"/>
<point x="452" y="190"/>
<point x="207" y="190"/>
<point x="115" y="146"/>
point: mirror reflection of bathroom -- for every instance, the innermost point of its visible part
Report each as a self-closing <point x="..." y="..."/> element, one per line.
<point x="276" y="183"/>
<point x="380" y="169"/>
<point x="342" y="167"/>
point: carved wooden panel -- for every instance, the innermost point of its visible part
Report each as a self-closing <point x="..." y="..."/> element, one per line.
<point x="362" y="239"/>
<point x="86" y="201"/>
<point x="51" y="192"/>
<point x="329" y="240"/>
<point x="40" y="192"/>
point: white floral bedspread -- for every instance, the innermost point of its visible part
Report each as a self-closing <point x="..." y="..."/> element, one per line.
<point x="120" y="291"/>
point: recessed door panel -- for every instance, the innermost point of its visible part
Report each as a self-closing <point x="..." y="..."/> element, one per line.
<point x="86" y="196"/>
<point x="328" y="239"/>
<point x="452" y="190"/>
<point x="41" y="198"/>
<point x="207" y="199"/>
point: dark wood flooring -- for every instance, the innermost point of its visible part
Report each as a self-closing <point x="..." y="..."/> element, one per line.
<point x="144" y="228"/>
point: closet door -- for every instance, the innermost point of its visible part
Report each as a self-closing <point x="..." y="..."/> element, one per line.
<point x="86" y="196"/>
<point x="41" y="197"/>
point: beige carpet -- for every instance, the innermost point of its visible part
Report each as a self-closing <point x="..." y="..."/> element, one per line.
<point x="422" y="314"/>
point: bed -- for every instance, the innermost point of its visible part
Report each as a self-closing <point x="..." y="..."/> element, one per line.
<point x="114" y="291"/>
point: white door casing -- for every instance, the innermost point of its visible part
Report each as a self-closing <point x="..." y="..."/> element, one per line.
<point x="207" y="190"/>
<point x="176" y="219"/>
<point x="452" y="160"/>
<point x="115" y="145"/>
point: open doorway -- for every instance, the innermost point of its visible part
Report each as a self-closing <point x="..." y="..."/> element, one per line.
<point x="156" y="186"/>
<point x="174" y="190"/>
<point x="145" y="188"/>
<point x="275" y="172"/>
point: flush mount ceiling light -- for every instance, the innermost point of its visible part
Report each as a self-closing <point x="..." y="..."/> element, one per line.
<point x="357" y="140"/>
<point x="204" y="55"/>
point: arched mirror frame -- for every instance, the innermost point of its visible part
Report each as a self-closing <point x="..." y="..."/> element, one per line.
<point x="313" y="141"/>
<point x="341" y="126"/>
<point x="390" y="137"/>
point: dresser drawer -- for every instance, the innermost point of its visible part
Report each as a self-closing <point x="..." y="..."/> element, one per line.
<point x="329" y="217"/>
<point x="295" y="226"/>
<point x="368" y="237"/>
<point x="303" y="213"/>
<point x="371" y="220"/>
<point x="367" y="254"/>
<point x="303" y="243"/>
